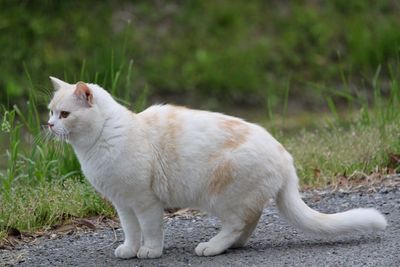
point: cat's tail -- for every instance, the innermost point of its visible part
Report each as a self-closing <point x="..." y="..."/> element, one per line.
<point x="292" y="207"/>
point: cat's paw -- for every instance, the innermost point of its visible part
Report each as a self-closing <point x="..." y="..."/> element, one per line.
<point x="125" y="252"/>
<point x="208" y="249"/>
<point x="149" y="253"/>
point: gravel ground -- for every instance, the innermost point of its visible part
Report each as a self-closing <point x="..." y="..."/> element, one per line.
<point x="274" y="242"/>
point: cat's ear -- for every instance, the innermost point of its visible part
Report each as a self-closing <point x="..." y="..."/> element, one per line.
<point x="83" y="92"/>
<point x="57" y="83"/>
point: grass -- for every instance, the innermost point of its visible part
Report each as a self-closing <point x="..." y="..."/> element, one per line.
<point x="330" y="152"/>
<point x="39" y="206"/>
<point x="358" y="140"/>
<point x="42" y="185"/>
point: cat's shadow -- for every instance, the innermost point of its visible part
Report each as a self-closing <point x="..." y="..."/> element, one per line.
<point x="307" y="244"/>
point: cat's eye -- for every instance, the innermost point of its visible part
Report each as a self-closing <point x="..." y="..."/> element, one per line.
<point x="64" y="114"/>
<point x="51" y="113"/>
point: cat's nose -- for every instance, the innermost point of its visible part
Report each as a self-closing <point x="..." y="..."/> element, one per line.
<point x="50" y="124"/>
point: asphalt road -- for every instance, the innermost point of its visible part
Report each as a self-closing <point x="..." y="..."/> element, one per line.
<point x="274" y="242"/>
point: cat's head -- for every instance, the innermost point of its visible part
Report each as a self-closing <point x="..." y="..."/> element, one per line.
<point x="74" y="112"/>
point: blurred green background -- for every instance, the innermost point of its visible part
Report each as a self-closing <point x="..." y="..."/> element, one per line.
<point x="207" y="54"/>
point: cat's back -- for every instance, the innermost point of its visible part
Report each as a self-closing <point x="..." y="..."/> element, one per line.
<point x="189" y="127"/>
<point x="180" y="114"/>
<point x="183" y="121"/>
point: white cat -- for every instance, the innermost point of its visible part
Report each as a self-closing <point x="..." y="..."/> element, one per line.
<point x="169" y="156"/>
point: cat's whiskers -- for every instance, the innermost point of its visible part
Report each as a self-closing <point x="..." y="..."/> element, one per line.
<point x="60" y="148"/>
<point x="46" y="92"/>
<point x="53" y="138"/>
<point x="39" y="138"/>
<point x="43" y="136"/>
<point x="62" y="138"/>
<point x="58" y="145"/>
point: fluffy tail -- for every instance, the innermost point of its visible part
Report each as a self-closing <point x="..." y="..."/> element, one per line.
<point x="292" y="207"/>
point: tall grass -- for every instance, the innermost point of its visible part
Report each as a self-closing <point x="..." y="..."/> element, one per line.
<point x="42" y="181"/>
<point x="359" y="136"/>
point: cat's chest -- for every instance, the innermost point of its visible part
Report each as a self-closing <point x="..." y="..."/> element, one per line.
<point x="100" y="175"/>
<point x="100" y="167"/>
<point x="117" y="174"/>
<point x="112" y="181"/>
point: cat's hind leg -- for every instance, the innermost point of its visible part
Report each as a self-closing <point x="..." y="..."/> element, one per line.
<point x="251" y="223"/>
<point x="234" y="233"/>
<point x="132" y="232"/>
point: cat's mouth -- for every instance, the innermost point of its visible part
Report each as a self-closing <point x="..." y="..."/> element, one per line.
<point x="61" y="135"/>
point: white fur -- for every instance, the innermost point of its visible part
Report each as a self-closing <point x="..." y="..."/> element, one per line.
<point x="168" y="156"/>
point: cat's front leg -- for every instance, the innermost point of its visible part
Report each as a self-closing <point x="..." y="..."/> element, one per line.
<point x="132" y="232"/>
<point x="150" y="217"/>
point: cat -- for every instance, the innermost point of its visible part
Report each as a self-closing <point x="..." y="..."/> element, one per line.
<point x="170" y="156"/>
